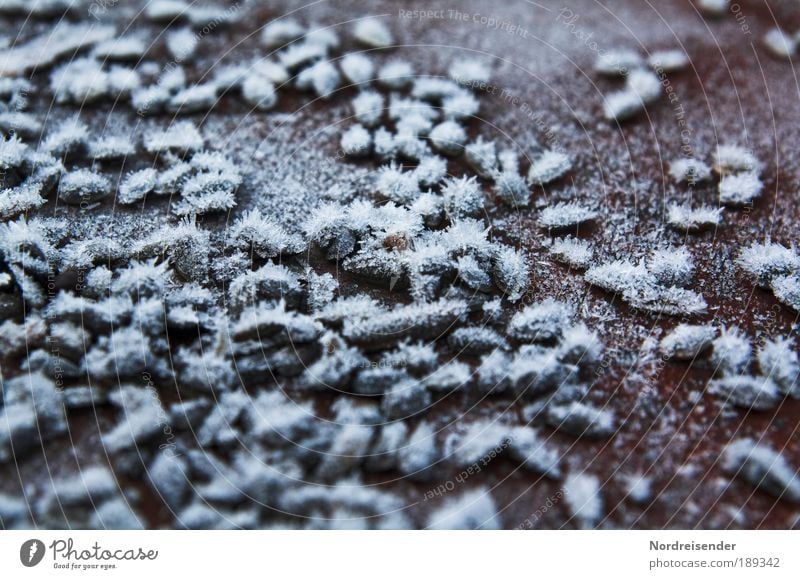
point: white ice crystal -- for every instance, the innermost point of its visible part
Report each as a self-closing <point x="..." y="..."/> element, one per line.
<point x="686" y="342"/>
<point x="431" y="170"/>
<point x="368" y="108"/>
<point x="540" y="322"/>
<point x="473" y="510"/>
<point x="622" y="105"/>
<point x="672" y="266"/>
<point x="111" y="147"/>
<point x="787" y="289"/>
<point x="181" y="43"/>
<point x="462" y="197"/>
<point x="512" y="189"/>
<point x="565" y="215"/>
<point x="551" y="165"/>
<point x="83" y="186"/>
<point x="298" y="55"/>
<point x="734" y="159"/>
<point x="63" y="39"/>
<point x="482" y="156"/>
<point x="259" y="92"/>
<point x="196" y="98"/>
<point x="396" y="74"/>
<point x="357" y="68"/>
<point x="668" y="60"/>
<point x="644" y="84"/>
<point x="689" y="170"/>
<point x="714" y="7"/>
<point x="779" y="361"/>
<point x="731" y="352"/>
<point x="684" y="218"/>
<point x="256" y="232"/>
<point x="356" y="141"/>
<point x="460" y="106"/>
<point x="280" y="32"/>
<point x="582" y="494"/>
<point x="765" y="261"/>
<point x="68" y="136"/>
<point x="16" y="200"/>
<point x="740" y="188"/>
<point x="618" y="62"/>
<point x="122" y="48"/>
<point x="137" y="185"/>
<point x="763" y="467"/>
<point x="180" y="136"/>
<point x="749" y="392"/>
<point x="470" y="71"/>
<point x="448" y="138"/>
<point x="373" y="33"/>
<point x="780" y="43"/>
<point x="572" y="251"/>
<point x="511" y="272"/>
<point x="323" y="78"/>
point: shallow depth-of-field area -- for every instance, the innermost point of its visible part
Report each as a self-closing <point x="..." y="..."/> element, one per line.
<point x="399" y="265"/>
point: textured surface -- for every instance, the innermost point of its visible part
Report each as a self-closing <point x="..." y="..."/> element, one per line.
<point x="544" y="93"/>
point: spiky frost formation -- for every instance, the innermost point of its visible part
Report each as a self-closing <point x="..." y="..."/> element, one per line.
<point x="778" y="360"/>
<point x="550" y="166"/>
<point x="766" y="261"/>
<point x="740" y="189"/>
<point x="357" y="68"/>
<point x="763" y="467"/>
<point x="686" y="342"/>
<point x="688" y="170"/>
<point x="368" y="108"/>
<point x="482" y="157"/>
<point x="448" y="138"/>
<point x="565" y="215"/>
<point x="179" y="137"/>
<point x="735" y="159"/>
<point x="643" y="290"/>
<point x="684" y="218"/>
<point x="356" y="141"/>
<point x="731" y="352"/>
<point x="512" y="189"/>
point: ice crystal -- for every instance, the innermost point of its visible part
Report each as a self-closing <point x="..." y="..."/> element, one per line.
<point x="765" y="261"/>
<point x="779" y="361"/>
<point x="565" y="215"/>
<point x="357" y="68"/>
<point x="686" y="342"/>
<point x="740" y="189"/>
<point x="684" y="218"/>
<point x="373" y="33"/>
<point x="762" y="467"/>
<point x="731" y="352"/>
<point x="551" y="165"/>
<point x="396" y="74"/>
<point x="618" y="62"/>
